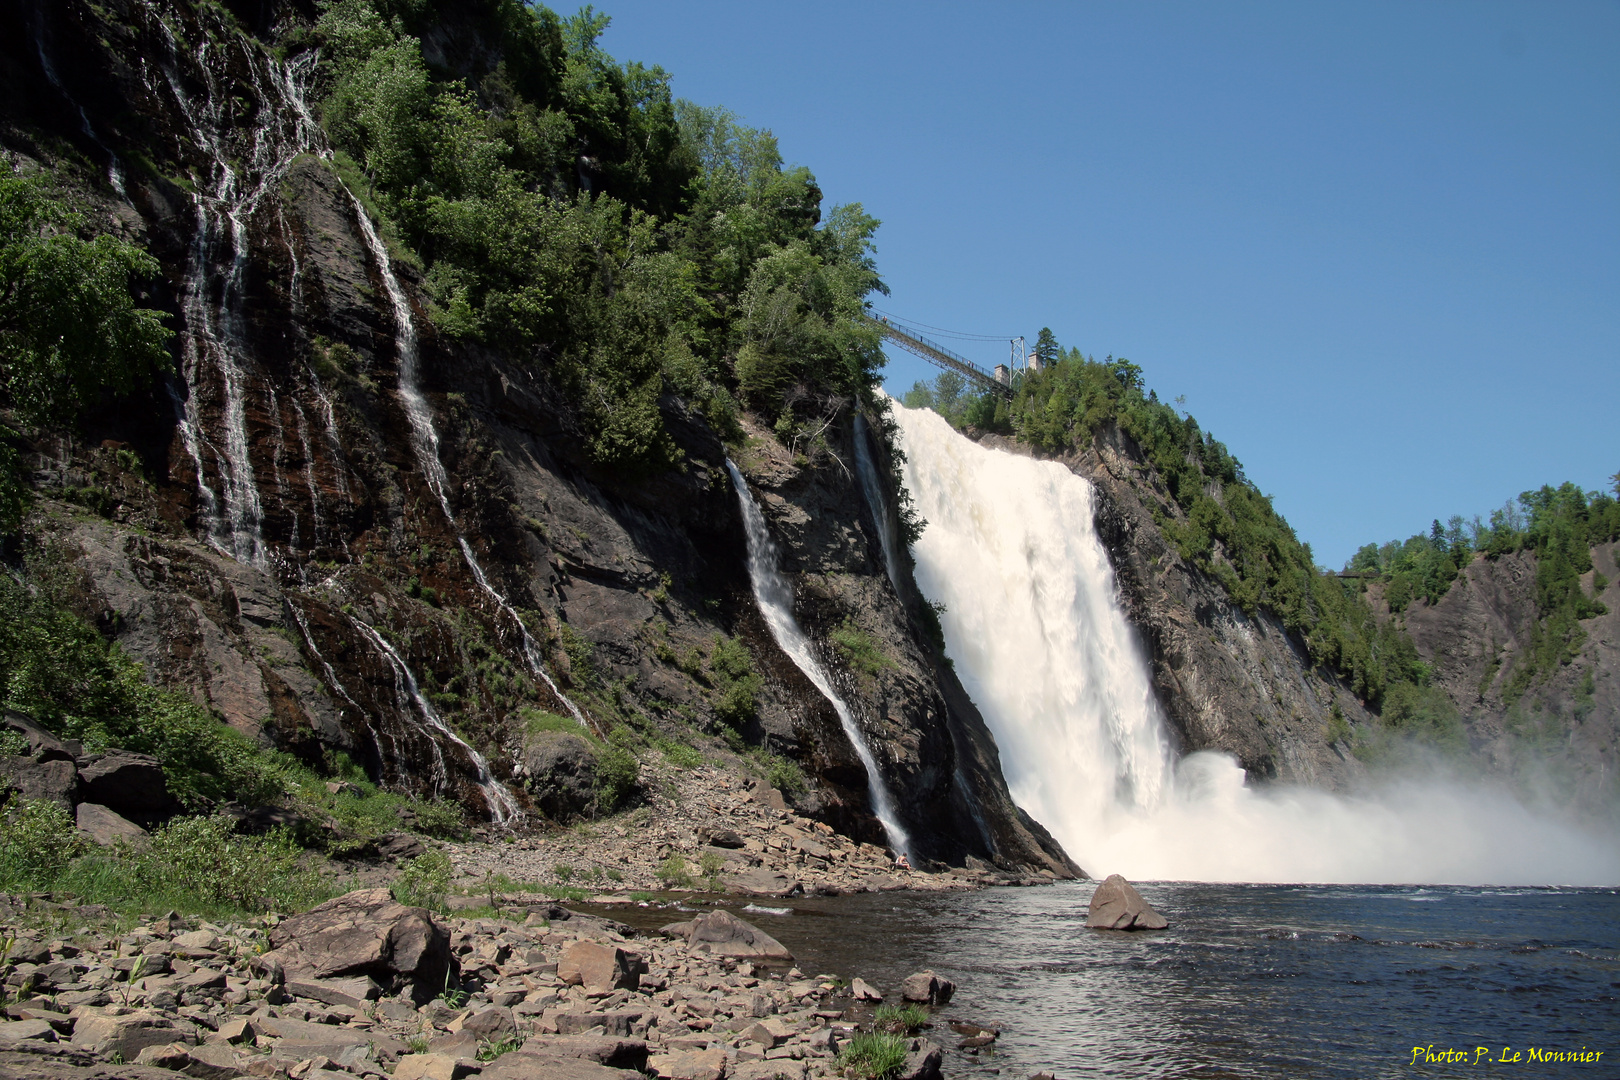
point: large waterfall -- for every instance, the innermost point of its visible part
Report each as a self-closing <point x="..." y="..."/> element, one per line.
<point x="1035" y="629"/>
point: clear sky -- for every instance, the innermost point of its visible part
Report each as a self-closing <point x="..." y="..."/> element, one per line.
<point x="1375" y="246"/>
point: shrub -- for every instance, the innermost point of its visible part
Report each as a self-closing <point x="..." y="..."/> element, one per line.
<point x="731" y="669"/>
<point x="859" y="651"/>
<point x="872" y="1056"/>
<point x="38" y="841"/>
<point x="616" y="773"/>
<point x="205" y="859"/>
<point x="710" y="866"/>
<point x="441" y="819"/>
<point x="681" y="755"/>
<point x="675" y="872"/>
<point x="785" y="775"/>
<point x="425" y="881"/>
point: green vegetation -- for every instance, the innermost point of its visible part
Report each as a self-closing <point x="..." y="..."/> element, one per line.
<point x="192" y="863"/>
<point x="675" y="872"/>
<point x="737" y="686"/>
<point x="1559" y="525"/>
<point x="859" y="652"/>
<point x="872" y="1056"/>
<point x="709" y="866"/>
<point x="783" y="774"/>
<point x="900" y="1019"/>
<point x="568" y="210"/>
<point x="71" y="334"/>
<point x="425" y="881"/>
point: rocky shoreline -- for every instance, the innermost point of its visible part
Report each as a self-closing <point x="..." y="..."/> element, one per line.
<point x="709" y="829"/>
<point x="362" y="986"/>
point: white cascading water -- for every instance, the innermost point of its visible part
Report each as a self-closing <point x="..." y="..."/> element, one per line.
<point x="215" y="338"/>
<point x="775" y="598"/>
<point x="426" y="440"/>
<point x="872" y="489"/>
<point x="1034" y="626"/>
<point x="498" y="799"/>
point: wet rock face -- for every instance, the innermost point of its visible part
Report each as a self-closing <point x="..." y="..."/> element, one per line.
<point x="273" y="546"/>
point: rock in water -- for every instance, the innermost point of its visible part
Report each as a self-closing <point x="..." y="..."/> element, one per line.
<point x="1117" y="906"/>
<point x="723" y="934"/>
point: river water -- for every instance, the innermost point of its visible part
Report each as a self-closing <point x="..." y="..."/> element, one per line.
<point x="1249" y="981"/>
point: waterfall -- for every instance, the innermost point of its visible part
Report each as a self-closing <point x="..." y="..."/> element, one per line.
<point x="775" y="598"/>
<point x="214" y="343"/>
<point x="426" y="442"/>
<point x="872" y="489"/>
<point x="499" y="800"/>
<point x="1034" y="626"/>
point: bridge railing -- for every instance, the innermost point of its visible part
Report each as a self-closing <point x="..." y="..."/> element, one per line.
<point x="939" y="355"/>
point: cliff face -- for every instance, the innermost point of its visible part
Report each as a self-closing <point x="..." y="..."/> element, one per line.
<point x="342" y="532"/>
<point x="1559" y="731"/>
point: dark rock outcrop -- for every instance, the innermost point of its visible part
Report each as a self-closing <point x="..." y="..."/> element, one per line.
<point x="129" y="784"/>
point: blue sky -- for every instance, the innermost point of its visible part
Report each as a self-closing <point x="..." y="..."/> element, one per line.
<point x="1376" y="247"/>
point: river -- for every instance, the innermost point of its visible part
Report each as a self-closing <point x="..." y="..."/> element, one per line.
<point x="1249" y="981"/>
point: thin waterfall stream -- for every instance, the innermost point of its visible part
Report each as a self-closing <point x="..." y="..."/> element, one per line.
<point x="775" y="598"/>
<point x="426" y="441"/>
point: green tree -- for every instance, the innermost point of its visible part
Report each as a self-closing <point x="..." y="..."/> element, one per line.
<point x="71" y="332"/>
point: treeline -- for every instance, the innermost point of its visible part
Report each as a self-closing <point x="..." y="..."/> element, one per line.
<point x="568" y="211"/>
<point x="1560" y="526"/>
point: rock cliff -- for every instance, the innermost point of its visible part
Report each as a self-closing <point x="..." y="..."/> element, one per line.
<point x="342" y="532"/>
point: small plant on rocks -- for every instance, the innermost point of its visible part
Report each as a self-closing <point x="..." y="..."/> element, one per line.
<point x="872" y="1056"/>
<point x="899" y="1019"/>
<point x="425" y="881"/>
<point x="489" y="1050"/>
<point x="675" y="873"/>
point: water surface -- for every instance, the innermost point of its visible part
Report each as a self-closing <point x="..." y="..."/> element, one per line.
<point x="1249" y="981"/>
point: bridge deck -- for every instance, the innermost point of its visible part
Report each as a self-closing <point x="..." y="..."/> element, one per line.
<point x="938" y="355"/>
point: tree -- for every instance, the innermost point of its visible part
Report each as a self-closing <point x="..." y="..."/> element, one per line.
<point x="1047" y="349"/>
<point x="69" y="327"/>
<point x="70" y="331"/>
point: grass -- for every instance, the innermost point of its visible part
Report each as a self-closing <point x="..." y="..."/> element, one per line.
<point x="194" y="864"/>
<point x="489" y="1050"/>
<point x="900" y="1019"/>
<point x="872" y="1056"/>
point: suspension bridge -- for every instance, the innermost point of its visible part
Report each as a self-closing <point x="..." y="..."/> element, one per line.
<point x="913" y="341"/>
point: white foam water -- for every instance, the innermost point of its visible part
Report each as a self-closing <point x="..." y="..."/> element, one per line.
<point x="1034" y="626"/>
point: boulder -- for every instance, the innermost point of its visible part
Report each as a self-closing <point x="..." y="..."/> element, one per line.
<point x="532" y="1065"/>
<point x="357" y="991"/>
<point x="922" y="1062"/>
<point x="719" y="836"/>
<point x="366" y="933"/>
<point x="106" y="827"/>
<point x="42" y="745"/>
<point x="129" y="784"/>
<point x="12" y="1031"/>
<point x="617" y="1053"/>
<point x="43" y="781"/>
<point x="762" y="883"/>
<point x="689" y="1065"/>
<point x="863" y="990"/>
<point x="1117" y="906"/>
<point x="209" y="1062"/>
<point x="723" y="934"/>
<point x="599" y="967"/>
<point x="927" y="988"/>
<point x="431" y="1067"/>
<point x="400" y="847"/>
<point x="126" y="1035"/>
<point x="561" y="770"/>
